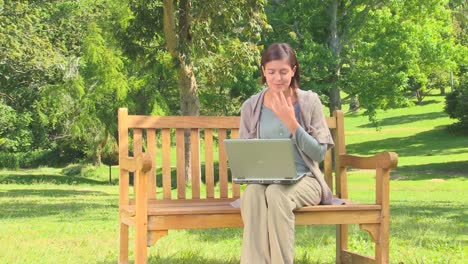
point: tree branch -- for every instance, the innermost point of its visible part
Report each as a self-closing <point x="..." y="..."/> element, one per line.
<point x="353" y="27"/>
<point x="7" y="96"/>
<point x="169" y="27"/>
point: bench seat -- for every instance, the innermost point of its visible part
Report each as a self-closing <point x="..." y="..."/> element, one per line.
<point x="160" y="213"/>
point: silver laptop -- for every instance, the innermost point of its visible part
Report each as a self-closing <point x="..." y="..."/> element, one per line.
<point x="263" y="161"/>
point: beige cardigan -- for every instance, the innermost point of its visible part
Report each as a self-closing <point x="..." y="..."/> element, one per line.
<point x="312" y="120"/>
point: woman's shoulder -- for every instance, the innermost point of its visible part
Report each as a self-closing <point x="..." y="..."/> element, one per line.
<point x="307" y="95"/>
<point x="252" y="100"/>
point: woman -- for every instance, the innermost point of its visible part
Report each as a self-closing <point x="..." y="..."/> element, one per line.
<point x="282" y="110"/>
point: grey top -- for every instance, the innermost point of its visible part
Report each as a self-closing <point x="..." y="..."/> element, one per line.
<point x="272" y="127"/>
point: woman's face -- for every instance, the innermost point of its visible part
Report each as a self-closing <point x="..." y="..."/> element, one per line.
<point x="278" y="75"/>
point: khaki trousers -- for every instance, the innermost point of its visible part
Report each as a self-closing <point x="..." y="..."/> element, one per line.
<point x="267" y="212"/>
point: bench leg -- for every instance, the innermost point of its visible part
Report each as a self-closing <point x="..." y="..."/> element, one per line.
<point x="141" y="242"/>
<point x="382" y="249"/>
<point x="341" y="241"/>
<point x="123" y="244"/>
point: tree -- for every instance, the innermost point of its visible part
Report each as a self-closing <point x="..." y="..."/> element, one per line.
<point x="370" y="49"/>
<point x="62" y="67"/>
<point x="324" y="35"/>
<point x="200" y="38"/>
<point x="456" y="105"/>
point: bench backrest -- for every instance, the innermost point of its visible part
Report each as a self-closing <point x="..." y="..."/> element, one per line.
<point x="154" y="135"/>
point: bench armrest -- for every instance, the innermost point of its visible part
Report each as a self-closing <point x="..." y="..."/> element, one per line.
<point x="384" y="160"/>
<point x="141" y="162"/>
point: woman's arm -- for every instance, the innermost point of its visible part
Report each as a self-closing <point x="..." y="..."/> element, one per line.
<point x="309" y="145"/>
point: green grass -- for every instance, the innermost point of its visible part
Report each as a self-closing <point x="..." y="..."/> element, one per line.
<point x="47" y="217"/>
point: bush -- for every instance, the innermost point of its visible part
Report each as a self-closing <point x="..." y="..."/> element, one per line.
<point x="456" y="102"/>
<point x="31" y="159"/>
<point x="72" y="170"/>
<point x="9" y="160"/>
<point x="82" y="170"/>
<point x="36" y="158"/>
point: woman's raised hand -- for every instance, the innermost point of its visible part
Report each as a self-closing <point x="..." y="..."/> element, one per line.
<point x="284" y="109"/>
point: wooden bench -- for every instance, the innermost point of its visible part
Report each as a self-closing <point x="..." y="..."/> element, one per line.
<point x="153" y="216"/>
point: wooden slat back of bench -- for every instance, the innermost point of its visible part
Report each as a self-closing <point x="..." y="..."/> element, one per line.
<point x="161" y="136"/>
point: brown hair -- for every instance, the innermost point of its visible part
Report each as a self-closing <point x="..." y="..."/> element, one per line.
<point x="281" y="51"/>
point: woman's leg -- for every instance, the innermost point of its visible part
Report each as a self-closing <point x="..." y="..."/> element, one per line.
<point x="281" y="201"/>
<point x="255" y="248"/>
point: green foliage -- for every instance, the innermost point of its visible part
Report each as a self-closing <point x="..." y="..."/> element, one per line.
<point x="63" y="70"/>
<point x="14" y="129"/>
<point x="223" y="84"/>
<point x="387" y="51"/>
<point x="37" y="158"/>
<point x="456" y="105"/>
<point x="66" y="66"/>
<point x="31" y="159"/>
<point x="9" y="160"/>
<point x="81" y="170"/>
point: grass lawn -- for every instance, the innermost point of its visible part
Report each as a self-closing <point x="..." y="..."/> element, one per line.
<point x="46" y="217"/>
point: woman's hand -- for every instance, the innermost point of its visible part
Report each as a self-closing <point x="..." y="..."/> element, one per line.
<point x="284" y="109"/>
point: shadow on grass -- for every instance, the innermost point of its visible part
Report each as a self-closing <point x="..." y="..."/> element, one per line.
<point x="429" y="171"/>
<point x="426" y="102"/>
<point x="50" y="193"/>
<point x="17" y="209"/>
<point x="427" y="143"/>
<point x="446" y="210"/>
<point x="405" y="119"/>
<point x="46" y="178"/>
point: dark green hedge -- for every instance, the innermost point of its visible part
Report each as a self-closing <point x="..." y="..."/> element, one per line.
<point x="32" y="159"/>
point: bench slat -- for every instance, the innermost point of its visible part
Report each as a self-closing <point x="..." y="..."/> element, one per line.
<point x="166" y="162"/>
<point x="209" y="170"/>
<point x="223" y="179"/>
<point x="137" y="147"/>
<point x="202" y="207"/>
<point x="180" y="152"/>
<point x="138" y="121"/>
<point x="195" y="156"/>
<point x="137" y="142"/>
<point x="235" y="187"/>
<point x="152" y="148"/>
<point x="123" y="154"/>
<point x="216" y="220"/>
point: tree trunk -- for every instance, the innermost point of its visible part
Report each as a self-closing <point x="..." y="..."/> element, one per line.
<point x="451" y="81"/>
<point x="98" y="154"/>
<point x="178" y="43"/>
<point x="354" y="104"/>
<point x="97" y="161"/>
<point x="419" y="96"/>
<point x="110" y="174"/>
<point x="334" y="43"/>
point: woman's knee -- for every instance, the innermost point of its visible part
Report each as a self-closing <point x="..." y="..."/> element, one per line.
<point x="276" y="193"/>
<point x="254" y="191"/>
